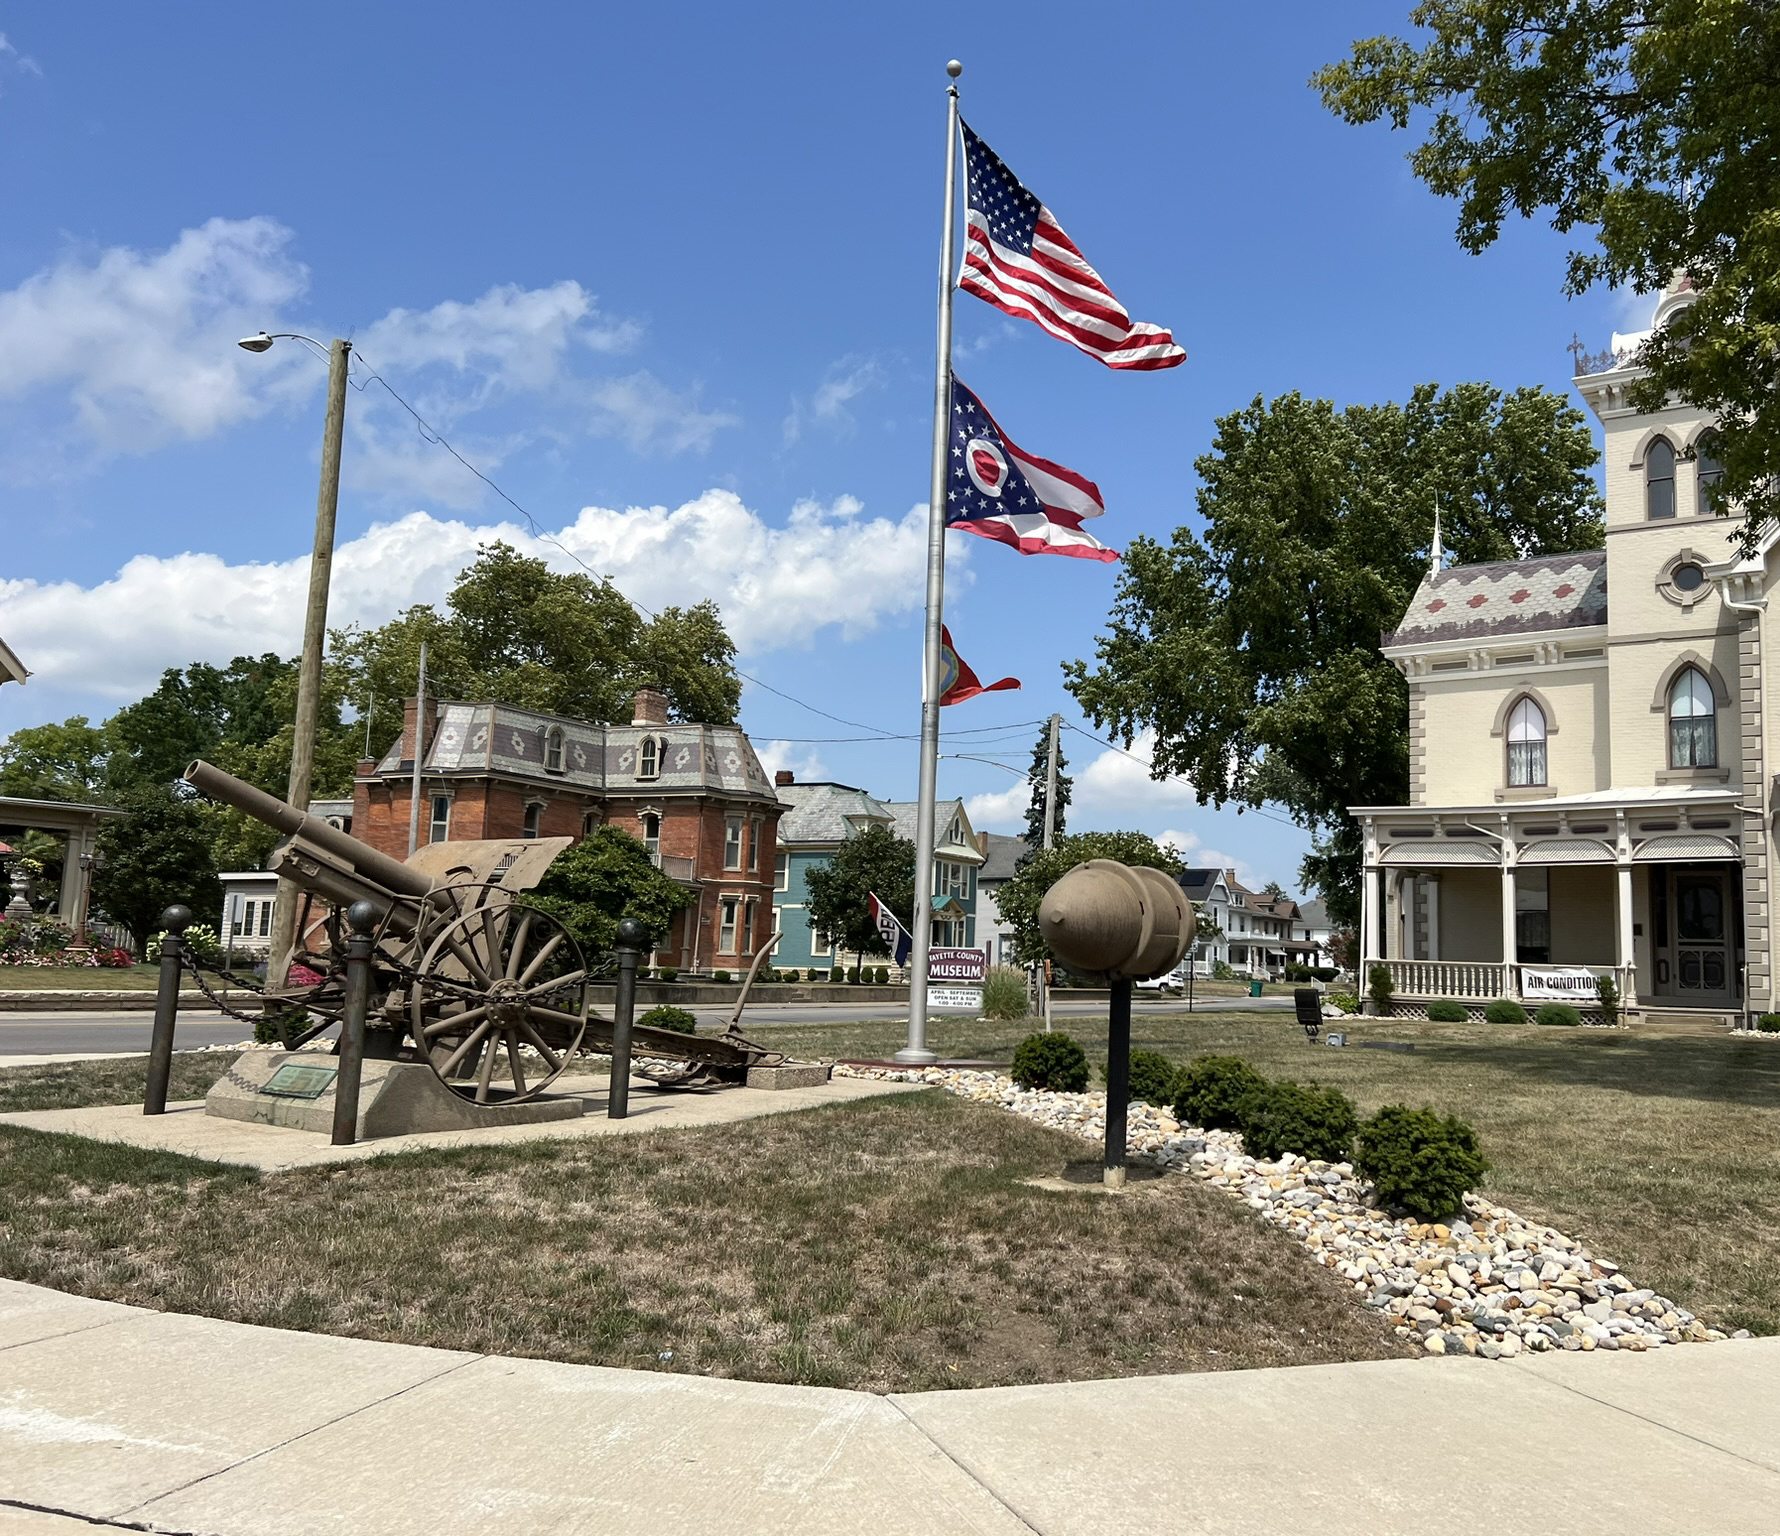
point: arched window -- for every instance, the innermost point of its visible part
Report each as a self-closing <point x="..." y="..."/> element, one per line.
<point x="1659" y="479"/>
<point x="553" y="750"/>
<point x="1693" y="722"/>
<point x="534" y="815"/>
<point x="1707" y="470"/>
<point x="1526" y="745"/>
<point x="648" y="758"/>
<point x="652" y="831"/>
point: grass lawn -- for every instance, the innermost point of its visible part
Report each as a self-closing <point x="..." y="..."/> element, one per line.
<point x="1660" y="1149"/>
<point x="887" y="1244"/>
<point x="79" y="978"/>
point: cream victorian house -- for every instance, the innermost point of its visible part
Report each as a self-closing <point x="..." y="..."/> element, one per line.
<point x="1589" y="750"/>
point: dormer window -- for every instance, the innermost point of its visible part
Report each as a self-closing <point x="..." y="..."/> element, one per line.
<point x="1707" y="472"/>
<point x="649" y="757"/>
<point x="553" y="750"/>
<point x="1693" y="722"/>
<point x="1526" y="745"/>
<point x="1659" y="479"/>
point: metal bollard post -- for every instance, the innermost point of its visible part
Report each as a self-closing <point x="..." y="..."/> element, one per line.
<point x="1118" y="1083"/>
<point x="175" y="920"/>
<point x="361" y="919"/>
<point x="631" y="935"/>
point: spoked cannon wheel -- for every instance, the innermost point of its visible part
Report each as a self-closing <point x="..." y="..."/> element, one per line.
<point x="499" y="1006"/>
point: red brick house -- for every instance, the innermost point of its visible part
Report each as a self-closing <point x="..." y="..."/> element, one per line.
<point x="695" y="795"/>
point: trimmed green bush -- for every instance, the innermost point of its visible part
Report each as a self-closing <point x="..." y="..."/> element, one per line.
<point x="1004" y="994"/>
<point x="1152" y="1078"/>
<point x="669" y="973"/>
<point x="1052" y="1061"/>
<point x="815" y="975"/>
<point x="1557" y="1013"/>
<point x="882" y="975"/>
<point x="1347" y="1002"/>
<point x="1769" y="1023"/>
<point x="1419" y="1160"/>
<point x="1380" y="987"/>
<point x="1504" y="1010"/>
<point x="1282" y="1117"/>
<point x="1446" y="1011"/>
<point x="1324" y="973"/>
<point x="719" y="975"/>
<point x="1209" y="1088"/>
<point x="666" y="1016"/>
<point x="838" y="974"/>
<point x="1607" y="993"/>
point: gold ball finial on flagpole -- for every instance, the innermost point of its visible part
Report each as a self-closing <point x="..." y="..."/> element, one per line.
<point x="954" y="68"/>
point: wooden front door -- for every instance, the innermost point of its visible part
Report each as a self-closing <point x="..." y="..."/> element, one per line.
<point x="1697" y="962"/>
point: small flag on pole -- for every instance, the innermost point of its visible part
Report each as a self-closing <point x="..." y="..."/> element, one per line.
<point x="1017" y="258"/>
<point x="890" y="930"/>
<point x="957" y="681"/>
<point x="1003" y="493"/>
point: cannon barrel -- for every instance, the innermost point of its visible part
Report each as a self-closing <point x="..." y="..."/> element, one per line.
<point x="379" y="868"/>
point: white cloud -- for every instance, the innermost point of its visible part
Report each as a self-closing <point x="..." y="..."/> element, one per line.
<point x="999" y="808"/>
<point x="1192" y="851"/>
<point x="128" y="350"/>
<point x="1120" y="781"/>
<point x="804" y="761"/>
<point x="654" y="418"/>
<point x="844" y="382"/>
<point x="824" y="568"/>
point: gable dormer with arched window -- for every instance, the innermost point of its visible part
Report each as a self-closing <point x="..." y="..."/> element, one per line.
<point x="649" y="751"/>
<point x="553" y="750"/>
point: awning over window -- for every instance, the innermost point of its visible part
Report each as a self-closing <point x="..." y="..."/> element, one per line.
<point x="1566" y="850"/>
<point x="1685" y="847"/>
<point x="1438" y="851"/>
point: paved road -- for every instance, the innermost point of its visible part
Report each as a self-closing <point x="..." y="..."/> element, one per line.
<point x="44" y="1034"/>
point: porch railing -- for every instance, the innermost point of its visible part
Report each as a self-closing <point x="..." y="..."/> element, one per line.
<point x="1457" y="979"/>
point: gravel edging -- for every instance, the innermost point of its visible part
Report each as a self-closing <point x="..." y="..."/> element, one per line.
<point x="1492" y="1284"/>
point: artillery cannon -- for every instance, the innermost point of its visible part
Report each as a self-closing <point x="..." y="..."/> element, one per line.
<point x="488" y="990"/>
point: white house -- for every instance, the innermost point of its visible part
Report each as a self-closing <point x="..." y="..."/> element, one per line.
<point x="1209" y="891"/>
<point x="1590" y="760"/>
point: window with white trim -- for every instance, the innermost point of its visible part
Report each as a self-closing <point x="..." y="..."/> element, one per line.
<point x="732" y="843"/>
<point x="747" y="928"/>
<point x="534" y="818"/>
<point x="649" y="757"/>
<point x="652" y="832"/>
<point x="1693" y="721"/>
<point x="726" y="913"/>
<point x="781" y="872"/>
<point x="753" y="844"/>
<point x="1526" y="745"/>
<point x="439" y="823"/>
<point x="553" y="750"/>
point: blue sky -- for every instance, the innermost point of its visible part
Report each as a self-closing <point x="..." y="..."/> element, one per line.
<point x="667" y="274"/>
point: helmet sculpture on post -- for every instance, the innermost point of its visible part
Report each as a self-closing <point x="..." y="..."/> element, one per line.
<point x="1117" y="921"/>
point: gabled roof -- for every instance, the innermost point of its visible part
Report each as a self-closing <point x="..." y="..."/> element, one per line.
<point x="945" y="812"/>
<point x="1000" y="857"/>
<point x="12" y="670"/>
<point x="1506" y="597"/>
<point x="827" y="813"/>
<point x="1199" y="883"/>
<point x="1313" y="913"/>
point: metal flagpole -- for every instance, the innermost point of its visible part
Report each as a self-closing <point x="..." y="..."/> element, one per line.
<point x="916" y="1051"/>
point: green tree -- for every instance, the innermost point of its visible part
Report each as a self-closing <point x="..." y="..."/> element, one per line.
<point x="154" y="857"/>
<point x="1018" y="899"/>
<point x="604" y="877"/>
<point x="874" y="862"/>
<point x="1650" y="126"/>
<point x="55" y="762"/>
<point x="1036" y="775"/>
<point x="518" y="632"/>
<point x="1252" y="652"/>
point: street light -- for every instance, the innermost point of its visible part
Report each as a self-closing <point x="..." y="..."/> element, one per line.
<point x="315" y="623"/>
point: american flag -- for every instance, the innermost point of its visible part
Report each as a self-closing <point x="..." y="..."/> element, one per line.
<point x="1000" y="492"/>
<point x="1017" y="257"/>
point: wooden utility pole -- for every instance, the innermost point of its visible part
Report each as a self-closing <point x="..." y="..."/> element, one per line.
<point x="315" y="629"/>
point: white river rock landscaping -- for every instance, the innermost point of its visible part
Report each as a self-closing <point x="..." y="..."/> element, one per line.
<point x="1490" y="1284"/>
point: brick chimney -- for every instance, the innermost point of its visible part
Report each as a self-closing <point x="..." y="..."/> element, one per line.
<point x="650" y="708"/>
<point x="783" y="777"/>
<point x="432" y="727"/>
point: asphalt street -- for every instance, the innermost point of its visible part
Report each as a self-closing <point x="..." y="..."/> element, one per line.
<point x="44" y="1034"/>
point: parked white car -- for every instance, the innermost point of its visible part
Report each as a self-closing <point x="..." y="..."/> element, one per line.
<point x="1174" y="981"/>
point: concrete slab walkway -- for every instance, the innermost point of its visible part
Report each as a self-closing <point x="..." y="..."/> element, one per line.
<point x="124" y="1417"/>
<point x="187" y="1129"/>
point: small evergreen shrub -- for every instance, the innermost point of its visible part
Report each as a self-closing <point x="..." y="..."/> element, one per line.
<point x="1380" y="987"/>
<point x="719" y="975"/>
<point x="1281" y="1117"/>
<point x="1052" y="1061"/>
<point x="1222" y="970"/>
<point x="1296" y="972"/>
<point x="1446" y="1011"/>
<point x="1004" y="994"/>
<point x="666" y="1016"/>
<point x="837" y="974"/>
<point x="669" y="973"/>
<point x="1557" y="1013"/>
<point x="1347" y="1002"/>
<point x="1324" y="973"/>
<point x="1607" y="994"/>
<point x="1208" y="1089"/>
<point x="814" y="975"/>
<point x="1420" y="1161"/>
<point x="1504" y="1010"/>
<point x="1152" y="1078"/>
<point x="1769" y="1023"/>
<point x="882" y="975"/>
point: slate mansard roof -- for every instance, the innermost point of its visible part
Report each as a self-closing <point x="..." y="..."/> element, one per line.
<point x="827" y="813"/>
<point x="1506" y="597"/>
<point x="511" y="742"/>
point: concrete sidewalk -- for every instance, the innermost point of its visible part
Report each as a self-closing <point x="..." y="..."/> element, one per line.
<point x="183" y="1424"/>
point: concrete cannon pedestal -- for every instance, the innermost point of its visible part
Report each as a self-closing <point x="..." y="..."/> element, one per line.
<point x="396" y="1098"/>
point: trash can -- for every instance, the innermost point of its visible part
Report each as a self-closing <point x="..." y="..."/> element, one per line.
<point x="1254" y="989"/>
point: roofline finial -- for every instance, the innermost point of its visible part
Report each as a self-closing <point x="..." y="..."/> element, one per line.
<point x="1436" y="550"/>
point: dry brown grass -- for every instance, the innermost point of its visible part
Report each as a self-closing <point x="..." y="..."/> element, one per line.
<point x="888" y="1245"/>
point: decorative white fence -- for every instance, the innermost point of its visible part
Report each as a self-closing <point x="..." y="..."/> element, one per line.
<point x="1477" y="980"/>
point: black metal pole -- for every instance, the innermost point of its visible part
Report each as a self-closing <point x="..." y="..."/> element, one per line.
<point x="631" y="936"/>
<point x="1118" y="1083"/>
<point x="361" y="918"/>
<point x="175" y="920"/>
